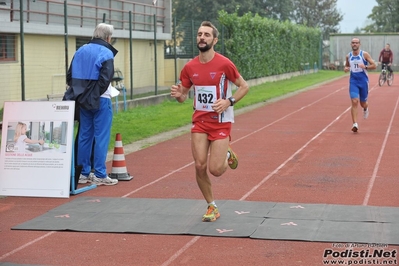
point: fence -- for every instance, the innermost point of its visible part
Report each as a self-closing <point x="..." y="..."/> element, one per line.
<point x="339" y="46"/>
<point x="184" y="39"/>
<point x="39" y="38"/>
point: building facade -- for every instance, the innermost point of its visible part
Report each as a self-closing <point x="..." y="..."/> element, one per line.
<point x="35" y="52"/>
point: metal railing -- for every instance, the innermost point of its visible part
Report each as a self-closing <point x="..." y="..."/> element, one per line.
<point x="84" y="14"/>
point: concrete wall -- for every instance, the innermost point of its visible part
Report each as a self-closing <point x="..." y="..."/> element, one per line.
<point x="170" y="70"/>
<point x="45" y="51"/>
<point x="45" y="71"/>
<point x="10" y="79"/>
<point x="340" y="46"/>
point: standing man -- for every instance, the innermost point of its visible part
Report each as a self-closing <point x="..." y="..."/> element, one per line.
<point x="89" y="77"/>
<point x="211" y="75"/>
<point x="358" y="62"/>
<point x="386" y="57"/>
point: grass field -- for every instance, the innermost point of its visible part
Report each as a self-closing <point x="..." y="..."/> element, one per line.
<point x="142" y="122"/>
<point x="145" y="121"/>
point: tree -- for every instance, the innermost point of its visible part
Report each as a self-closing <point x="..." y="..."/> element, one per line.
<point x="385" y="17"/>
<point x="208" y="10"/>
<point x="189" y="11"/>
<point x="195" y="10"/>
<point x="321" y="14"/>
<point x="274" y="9"/>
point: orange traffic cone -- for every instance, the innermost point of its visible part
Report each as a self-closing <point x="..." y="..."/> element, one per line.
<point x="119" y="170"/>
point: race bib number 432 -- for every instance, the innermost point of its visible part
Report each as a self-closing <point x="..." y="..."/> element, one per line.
<point x="205" y="97"/>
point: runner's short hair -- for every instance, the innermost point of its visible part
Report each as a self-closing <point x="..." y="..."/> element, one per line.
<point x="215" y="31"/>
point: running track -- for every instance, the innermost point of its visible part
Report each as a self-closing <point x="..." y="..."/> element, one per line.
<point x="298" y="149"/>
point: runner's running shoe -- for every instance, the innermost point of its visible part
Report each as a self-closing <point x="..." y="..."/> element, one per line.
<point x="232" y="159"/>
<point x="366" y="113"/>
<point x="211" y="214"/>
<point x="355" y="127"/>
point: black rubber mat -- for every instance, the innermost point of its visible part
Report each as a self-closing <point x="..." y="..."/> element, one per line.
<point x="253" y="219"/>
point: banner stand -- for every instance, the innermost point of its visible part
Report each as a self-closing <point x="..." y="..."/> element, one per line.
<point x="75" y="191"/>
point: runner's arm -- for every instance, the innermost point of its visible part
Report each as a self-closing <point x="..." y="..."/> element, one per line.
<point x="242" y="88"/>
<point x="179" y="92"/>
<point x="370" y="60"/>
<point x="347" y="67"/>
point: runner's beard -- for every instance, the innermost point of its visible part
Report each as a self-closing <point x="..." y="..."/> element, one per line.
<point x="205" y="48"/>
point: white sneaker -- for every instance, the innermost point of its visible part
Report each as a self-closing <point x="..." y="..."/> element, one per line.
<point x="107" y="181"/>
<point x="366" y="113"/>
<point x="84" y="179"/>
<point x="355" y="127"/>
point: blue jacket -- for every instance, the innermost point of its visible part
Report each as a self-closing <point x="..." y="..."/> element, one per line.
<point x="90" y="73"/>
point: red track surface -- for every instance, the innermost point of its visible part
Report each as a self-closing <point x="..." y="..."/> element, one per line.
<point x="299" y="149"/>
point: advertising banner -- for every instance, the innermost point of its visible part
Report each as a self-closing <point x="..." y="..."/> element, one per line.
<point x="36" y="148"/>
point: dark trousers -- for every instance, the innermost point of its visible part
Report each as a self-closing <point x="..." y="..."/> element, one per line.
<point x="388" y="67"/>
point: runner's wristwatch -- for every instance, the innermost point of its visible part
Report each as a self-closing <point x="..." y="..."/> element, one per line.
<point x="232" y="101"/>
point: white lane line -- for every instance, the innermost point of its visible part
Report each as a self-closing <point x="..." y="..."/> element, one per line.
<point x="195" y="239"/>
<point x="291" y="157"/>
<point x="26" y="245"/>
<point x="284" y="117"/>
<point x="157" y="180"/>
<point x="253" y="132"/>
<point x="297" y="152"/>
<point x="377" y="164"/>
<point x="181" y="251"/>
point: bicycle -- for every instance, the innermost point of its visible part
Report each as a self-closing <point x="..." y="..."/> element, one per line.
<point x="384" y="77"/>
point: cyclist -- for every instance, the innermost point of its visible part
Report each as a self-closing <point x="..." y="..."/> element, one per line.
<point x="386" y="57"/>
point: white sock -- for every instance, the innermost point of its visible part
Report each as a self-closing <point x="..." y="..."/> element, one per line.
<point x="228" y="155"/>
<point x="213" y="203"/>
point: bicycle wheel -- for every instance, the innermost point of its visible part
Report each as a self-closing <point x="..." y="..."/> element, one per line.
<point x="381" y="79"/>
<point x="390" y="79"/>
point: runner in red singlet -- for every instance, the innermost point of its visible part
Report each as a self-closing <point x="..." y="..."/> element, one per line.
<point x="212" y="77"/>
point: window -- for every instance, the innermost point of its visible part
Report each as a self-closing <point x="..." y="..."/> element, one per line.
<point x="7" y="47"/>
<point x="80" y="41"/>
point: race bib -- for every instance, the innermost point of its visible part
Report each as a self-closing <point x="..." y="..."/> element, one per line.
<point x="205" y="97"/>
<point x="355" y="66"/>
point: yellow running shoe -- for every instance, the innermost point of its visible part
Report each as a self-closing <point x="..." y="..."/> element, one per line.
<point x="211" y="214"/>
<point x="233" y="159"/>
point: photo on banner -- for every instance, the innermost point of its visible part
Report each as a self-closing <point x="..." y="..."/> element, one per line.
<point x="36" y="149"/>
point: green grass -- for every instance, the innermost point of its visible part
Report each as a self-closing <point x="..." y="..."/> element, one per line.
<point x="142" y="122"/>
<point x="145" y="121"/>
<point x="140" y="95"/>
